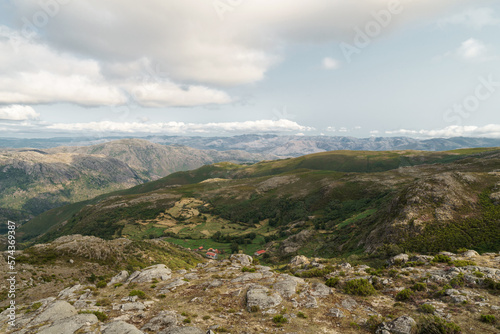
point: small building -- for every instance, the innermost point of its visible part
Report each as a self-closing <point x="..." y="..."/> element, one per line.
<point x="211" y="255"/>
<point x="200" y="248"/>
<point x="259" y="253"/>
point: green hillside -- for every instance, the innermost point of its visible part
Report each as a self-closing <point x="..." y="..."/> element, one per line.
<point x="344" y="201"/>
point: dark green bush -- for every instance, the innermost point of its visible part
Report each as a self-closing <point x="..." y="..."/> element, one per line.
<point x="332" y="282"/>
<point x="404" y="295"/>
<point x="437" y="325"/>
<point x="488" y="318"/>
<point x="137" y="293"/>
<point x="419" y="287"/>
<point x="427" y="308"/>
<point x="279" y="319"/>
<point x="359" y="287"/>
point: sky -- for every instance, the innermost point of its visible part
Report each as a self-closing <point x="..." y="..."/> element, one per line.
<point x="417" y="68"/>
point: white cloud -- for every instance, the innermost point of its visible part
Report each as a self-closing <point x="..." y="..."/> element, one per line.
<point x="258" y="126"/>
<point x="331" y="129"/>
<point x="330" y="63"/>
<point x="475" y="18"/>
<point x="343" y="129"/>
<point x="472" y="49"/>
<point x="18" y="113"/>
<point x="490" y="130"/>
<point x="38" y="74"/>
<point x="193" y="44"/>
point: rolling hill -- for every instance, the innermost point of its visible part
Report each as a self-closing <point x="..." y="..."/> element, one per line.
<point x="322" y="204"/>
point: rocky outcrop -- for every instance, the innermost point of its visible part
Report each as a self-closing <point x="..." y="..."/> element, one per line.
<point x="262" y="297"/>
<point x="401" y="325"/>
<point x="159" y="271"/>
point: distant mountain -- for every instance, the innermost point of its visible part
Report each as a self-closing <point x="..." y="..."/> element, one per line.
<point x="34" y="180"/>
<point x="274" y="145"/>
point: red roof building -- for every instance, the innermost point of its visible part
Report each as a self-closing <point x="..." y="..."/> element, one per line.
<point x="211" y="255"/>
<point x="259" y="253"/>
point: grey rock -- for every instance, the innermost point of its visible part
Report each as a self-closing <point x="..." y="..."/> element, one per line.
<point x="458" y="299"/>
<point x="159" y="271"/>
<point x="310" y="302"/>
<point x="320" y="290"/>
<point x="401" y="325"/>
<point x="119" y="278"/>
<point x="165" y="319"/>
<point x="191" y="276"/>
<point x="470" y="253"/>
<point x="120" y="327"/>
<point x="174" y="284"/>
<point x="182" y="330"/>
<point x="336" y="313"/>
<point x="54" y="312"/>
<point x="349" y="304"/>
<point x="262" y="297"/>
<point x="215" y="283"/>
<point x="71" y="324"/>
<point x="400" y="258"/>
<point x="135" y="306"/>
<point x="247" y="277"/>
<point x="69" y="292"/>
<point x="299" y="260"/>
<point x="286" y="288"/>
<point x="243" y="259"/>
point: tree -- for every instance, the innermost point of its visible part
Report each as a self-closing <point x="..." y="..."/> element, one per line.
<point x="235" y="248"/>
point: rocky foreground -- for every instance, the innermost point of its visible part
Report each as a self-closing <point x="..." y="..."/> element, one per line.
<point x="447" y="293"/>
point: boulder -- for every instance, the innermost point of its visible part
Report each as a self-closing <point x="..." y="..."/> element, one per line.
<point x="71" y="324"/>
<point x="174" y="284"/>
<point x="336" y="313"/>
<point x="69" y="292"/>
<point x="182" y="330"/>
<point x="243" y="259"/>
<point x="401" y="325"/>
<point x="247" y="277"/>
<point x="310" y="302"/>
<point x="135" y="306"/>
<point x="54" y="312"/>
<point x="262" y="297"/>
<point x="120" y="327"/>
<point x="119" y="278"/>
<point x="320" y="290"/>
<point x="299" y="260"/>
<point x="159" y="271"/>
<point x="399" y="259"/>
<point x="470" y="253"/>
<point x="349" y="304"/>
<point x="286" y="288"/>
<point x="165" y="319"/>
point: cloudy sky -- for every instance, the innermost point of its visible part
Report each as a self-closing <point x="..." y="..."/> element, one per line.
<point x="420" y="68"/>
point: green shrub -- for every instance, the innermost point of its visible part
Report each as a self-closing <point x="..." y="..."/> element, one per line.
<point x="332" y="282"/>
<point x="117" y="285"/>
<point x="458" y="281"/>
<point x="186" y="321"/>
<point x="440" y="258"/>
<point x="404" y="295"/>
<point x="463" y="263"/>
<point x="206" y="317"/>
<point x="137" y="293"/>
<point x="246" y="269"/>
<point x="437" y="325"/>
<point x="478" y="274"/>
<point x="419" y="287"/>
<point x="359" y="287"/>
<point x="491" y="284"/>
<point x="101" y="284"/>
<point x="301" y="315"/>
<point x="427" y="308"/>
<point x="316" y="272"/>
<point x="488" y="318"/>
<point x="279" y="319"/>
